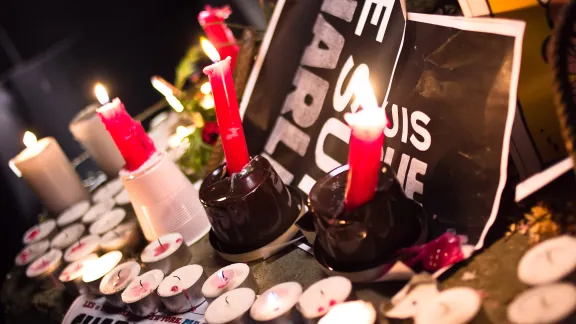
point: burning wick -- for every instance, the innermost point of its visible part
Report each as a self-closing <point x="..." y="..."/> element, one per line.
<point x="177" y="277"/>
<point x="226" y="300"/>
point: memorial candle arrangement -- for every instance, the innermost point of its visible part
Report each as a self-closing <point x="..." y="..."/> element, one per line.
<point x="140" y="295"/>
<point x="232" y="307"/>
<point x="68" y="236"/>
<point x="71" y="276"/>
<point x="73" y="213"/>
<point x="108" y="221"/>
<point x="212" y="21"/>
<point x="319" y="298"/>
<point x="550" y="303"/>
<point x="276" y="305"/>
<point x="181" y="290"/>
<point x="31" y="252"/>
<point x="46" y="267"/>
<point x="96" y="269"/>
<point x="549" y="261"/>
<point x="115" y="281"/>
<point x="167" y="253"/>
<point x="36" y="233"/>
<point x="108" y="190"/>
<point x="125" y="237"/>
<point x="237" y="275"/>
<point x="357" y="312"/>
<point x="98" y="210"/>
<point x="85" y="246"/>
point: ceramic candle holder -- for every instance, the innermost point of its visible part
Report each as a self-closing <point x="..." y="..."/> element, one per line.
<point x="250" y="209"/>
<point x="31" y="252"/>
<point x="181" y="291"/>
<point x="233" y="307"/>
<point x="95" y="270"/>
<point x="36" y="233"/>
<point x="140" y="295"/>
<point x="73" y="213"/>
<point x="237" y="275"/>
<point x="71" y="276"/>
<point x="115" y="281"/>
<point x="167" y="253"/>
<point x="369" y="236"/>
<point x="68" y="236"/>
<point x="276" y="305"/>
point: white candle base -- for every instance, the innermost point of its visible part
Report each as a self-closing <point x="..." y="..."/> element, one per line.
<point x="452" y="306"/>
<point x="237" y="275"/>
<point x="544" y="304"/>
<point x="115" y="281"/>
<point x="182" y="289"/>
<point x="231" y="308"/>
<point x="549" y="261"/>
<point x="319" y="298"/>
<point x="145" y="301"/>
<point x="276" y="305"/>
<point x="175" y="256"/>
<point x="95" y="270"/>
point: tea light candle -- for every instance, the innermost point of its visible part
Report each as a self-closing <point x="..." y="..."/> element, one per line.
<point x="123" y="198"/>
<point x="71" y="276"/>
<point x="108" y="221"/>
<point x="41" y="231"/>
<point x="46" y="266"/>
<point x="319" y="298"/>
<point x="139" y="296"/>
<point x="231" y="308"/>
<point x="550" y="303"/>
<point x="167" y="253"/>
<point x="456" y="306"/>
<point x="228" y="278"/>
<point x="73" y="213"/>
<point x="98" y="210"/>
<point x="31" y="252"/>
<point x="86" y="245"/>
<point x="182" y="289"/>
<point x="548" y="261"/>
<point x="68" y="236"/>
<point x="276" y="305"/>
<point x="115" y="281"/>
<point x="357" y="312"/>
<point x="96" y="269"/>
<point x="124" y="237"/>
<point x="108" y="191"/>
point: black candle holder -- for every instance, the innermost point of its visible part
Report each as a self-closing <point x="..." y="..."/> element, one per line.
<point x="250" y="209"/>
<point x="368" y="237"/>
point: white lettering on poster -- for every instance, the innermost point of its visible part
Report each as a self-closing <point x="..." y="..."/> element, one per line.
<point x="380" y="4"/>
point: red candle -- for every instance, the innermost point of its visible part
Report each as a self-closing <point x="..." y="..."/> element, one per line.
<point x="228" y="115"/>
<point x="134" y="144"/>
<point x="366" y="142"/>
<point x="212" y="21"/>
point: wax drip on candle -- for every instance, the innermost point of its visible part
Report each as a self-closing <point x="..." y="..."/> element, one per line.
<point x="175" y="288"/>
<point x="32" y="235"/>
<point x="162" y="248"/>
<point x="212" y="21"/>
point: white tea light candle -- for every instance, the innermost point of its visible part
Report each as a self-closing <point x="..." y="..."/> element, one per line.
<point x="548" y="261"/>
<point x="98" y="210"/>
<point x="357" y="312"/>
<point x="231" y="307"/>
<point x="41" y="231"/>
<point x="96" y="269"/>
<point x="317" y="300"/>
<point x="73" y="213"/>
<point x="452" y="306"/>
<point x="86" y="245"/>
<point x="45" y="266"/>
<point x="140" y="297"/>
<point x="123" y="198"/>
<point x="68" y="236"/>
<point x="115" y="281"/>
<point x="71" y="276"/>
<point x="182" y="289"/>
<point x="167" y="253"/>
<point x="123" y="237"/>
<point x="228" y="278"/>
<point x="277" y="303"/>
<point x="550" y="303"/>
<point x="31" y="252"/>
<point x="108" y="221"/>
<point x="108" y="190"/>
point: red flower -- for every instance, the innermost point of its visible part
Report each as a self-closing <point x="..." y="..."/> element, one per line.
<point x="210" y="133"/>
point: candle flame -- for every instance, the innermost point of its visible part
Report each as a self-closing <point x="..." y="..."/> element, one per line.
<point x="364" y="92"/>
<point x="29" y="139"/>
<point x="206" y="88"/>
<point x="101" y="93"/>
<point x="162" y="86"/>
<point x="207" y="102"/>
<point x="183" y="131"/>
<point x="209" y="49"/>
<point x="272" y="300"/>
<point x="175" y="103"/>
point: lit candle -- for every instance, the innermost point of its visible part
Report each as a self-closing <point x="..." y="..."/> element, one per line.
<point x="167" y="253"/>
<point x="73" y="213"/>
<point x="96" y="269"/>
<point x="45" y="266"/>
<point x="98" y="210"/>
<point x="108" y="221"/>
<point x="31" y="252"/>
<point x="229" y="278"/>
<point x="212" y="21"/>
<point x="550" y="303"/>
<point x="319" y="298"/>
<point x="108" y="191"/>
<point x="548" y="261"/>
<point x="86" y="245"/>
<point x="227" y="114"/>
<point x="68" y="236"/>
<point x="276" y="305"/>
<point x="456" y="305"/>
<point x="231" y="308"/>
<point x="39" y="232"/>
<point x="123" y="198"/>
<point x="48" y="171"/>
<point x="115" y="281"/>
<point x="182" y="289"/>
<point x="71" y="276"/>
<point x="124" y="237"/>
<point x="357" y="312"/>
<point x="139" y="296"/>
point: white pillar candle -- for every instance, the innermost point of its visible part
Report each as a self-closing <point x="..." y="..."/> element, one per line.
<point x="86" y="245"/>
<point x="41" y="231"/>
<point x="95" y="270"/>
<point x="140" y="297"/>
<point x="108" y="191"/>
<point x="357" y="312"/>
<point x="45" y="266"/>
<point x="317" y="300"/>
<point x="108" y="221"/>
<point x="548" y="261"/>
<point x="228" y="278"/>
<point x="277" y="303"/>
<point x="48" y="171"/>
<point x="68" y="236"/>
<point x="167" y="253"/>
<point x="31" y="252"/>
<point x="182" y="289"/>
<point x="71" y="276"/>
<point x="123" y="237"/>
<point x="231" y="308"/>
<point x="73" y="213"/>
<point x="452" y="306"/>
<point x="98" y="210"/>
<point x="550" y="303"/>
<point x="117" y="280"/>
<point x="123" y="198"/>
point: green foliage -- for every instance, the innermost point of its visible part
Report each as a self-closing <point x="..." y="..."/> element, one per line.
<point x="196" y="156"/>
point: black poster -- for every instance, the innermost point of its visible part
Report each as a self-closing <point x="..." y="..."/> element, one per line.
<point x="450" y="102"/>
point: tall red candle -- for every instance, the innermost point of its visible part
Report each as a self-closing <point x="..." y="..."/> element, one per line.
<point x="228" y="115"/>
<point x="134" y="144"/>
<point x="212" y="21"/>
<point x="366" y="142"/>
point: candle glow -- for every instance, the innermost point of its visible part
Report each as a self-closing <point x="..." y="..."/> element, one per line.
<point x="206" y="88"/>
<point x="175" y="103"/>
<point x="29" y="139"/>
<point x="162" y="86"/>
<point x="101" y="94"/>
<point x="209" y="49"/>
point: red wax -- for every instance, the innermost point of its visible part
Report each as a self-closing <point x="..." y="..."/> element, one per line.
<point x="228" y="115"/>
<point x="366" y="142"/>
<point x="212" y="21"/>
<point x="134" y="144"/>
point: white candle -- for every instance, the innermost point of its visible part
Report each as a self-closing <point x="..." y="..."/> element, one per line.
<point x="182" y="289"/>
<point x="98" y="210"/>
<point x="411" y="299"/>
<point x="544" y="304"/>
<point x="86" y="245"/>
<point x="121" y="237"/>
<point x="276" y="302"/>
<point x="548" y="261"/>
<point x="48" y="171"/>
<point x="108" y="191"/>
<point x="139" y="296"/>
<point x="108" y="221"/>
<point x="96" y="269"/>
<point x="231" y="307"/>
<point x="73" y="213"/>
<point x="117" y="280"/>
<point x="31" y="252"/>
<point x="357" y="312"/>
<point x="39" y="232"/>
<point x="68" y="236"/>
<point x="317" y="300"/>
<point x="167" y="253"/>
<point x="45" y="265"/>
<point x="123" y="198"/>
<point x="229" y="278"/>
<point x="71" y="276"/>
<point x="452" y="306"/>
